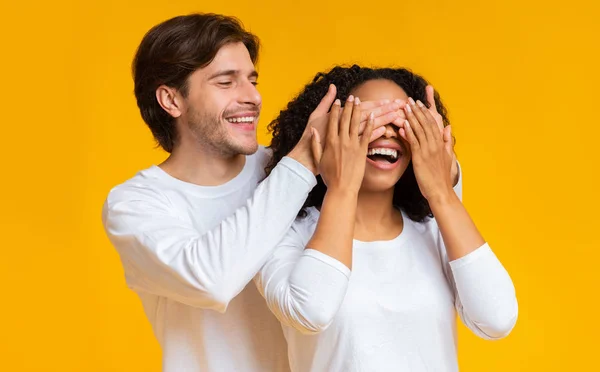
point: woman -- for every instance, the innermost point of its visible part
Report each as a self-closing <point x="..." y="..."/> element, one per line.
<point x="372" y="273"/>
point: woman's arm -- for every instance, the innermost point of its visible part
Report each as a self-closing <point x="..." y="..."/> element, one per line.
<point x="485" y="293"/>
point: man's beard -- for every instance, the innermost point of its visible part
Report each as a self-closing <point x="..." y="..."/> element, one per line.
<point x="211" y="132"/>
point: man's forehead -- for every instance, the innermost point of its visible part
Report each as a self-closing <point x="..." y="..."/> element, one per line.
<point x="231" y="58"/>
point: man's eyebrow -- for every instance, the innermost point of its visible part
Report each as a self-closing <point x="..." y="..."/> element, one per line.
<point x="223" y="73"/>
<point x="253" y="74"/>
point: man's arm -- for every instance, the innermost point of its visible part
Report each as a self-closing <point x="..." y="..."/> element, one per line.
<point x="165" y="255"/>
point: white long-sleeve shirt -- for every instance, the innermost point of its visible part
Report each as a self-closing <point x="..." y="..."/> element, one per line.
<point x="396" y="311"/>
<point x="189" y="252"/>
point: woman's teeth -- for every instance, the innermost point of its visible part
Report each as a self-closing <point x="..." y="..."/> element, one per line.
<point x="248" y="119"/>
<point x="383" y="151"/>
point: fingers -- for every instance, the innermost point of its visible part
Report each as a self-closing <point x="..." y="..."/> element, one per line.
<point x="384" y="112"/>
<point x="377" y="132"/>
<point x="431" y="98"/>
<point x="400" y="124"/>
<point x="416" y="110"/>
<point x="380" y="121"/>
<point x="387" y="118"/>
<point x="355" y="120"/>
<point x="370" y="105"/>
<point x="399" y="121"/>
<point x="422" y="127"/>
<point x="326" y="101"/>
<point x="332" y="127"/>
<point x="416" y="128"/>
<point x="448" y="141"/>
<point x="344" y="126"/>
<point x="402" y="133"/>
<point x="431" y="124"/>
<point x="433" y="108"/>
<point x="366" y="137"/>
<point x="317" y="148"/>
<point x="378" y="107"/>
<point x="411" y="138"/>
<point x="380" y="110"/>
<point x="448" y="134"/>
<point x="380" y="131"/>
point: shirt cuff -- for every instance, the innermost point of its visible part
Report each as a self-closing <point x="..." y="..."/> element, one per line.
<point x="299" y="169"/>
<point x="328" y="260"/>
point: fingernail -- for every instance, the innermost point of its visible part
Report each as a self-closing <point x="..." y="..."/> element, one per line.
<point x="371" y="116"/>
<point x="406" y="123"/>
<point x="408" y="109"/>
<point x="412" y="101"/>
<point x="350" y="98"/>
<point x="337" y="102"/>
<point x="398" y="100"/>
<point x="357" y="101"/>
<point x="420" y="103"/>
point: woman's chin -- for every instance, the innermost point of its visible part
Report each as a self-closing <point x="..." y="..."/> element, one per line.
<point x="377" y="180"/>
<point x="378" y="183"/>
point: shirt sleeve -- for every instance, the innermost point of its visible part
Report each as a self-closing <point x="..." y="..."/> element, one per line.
<point x="166" y="255"/>
<point x="304" y="288"/>
<point x="485" y="294"/>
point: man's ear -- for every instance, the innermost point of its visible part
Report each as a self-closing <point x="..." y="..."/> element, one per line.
<point x="170" y="100"/>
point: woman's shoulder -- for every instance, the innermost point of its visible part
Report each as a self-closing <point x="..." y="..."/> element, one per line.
<point x="427" y="226"/>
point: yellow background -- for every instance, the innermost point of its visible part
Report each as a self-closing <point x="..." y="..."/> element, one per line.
<point x="520" y="79"/>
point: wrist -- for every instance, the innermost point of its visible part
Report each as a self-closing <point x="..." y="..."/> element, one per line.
<point x="442" y="198"/>
<point x="304" y="158"/>
<point x="342" y="193"/>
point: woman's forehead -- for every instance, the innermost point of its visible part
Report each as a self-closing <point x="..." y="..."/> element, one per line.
<point x="375" y="90"/>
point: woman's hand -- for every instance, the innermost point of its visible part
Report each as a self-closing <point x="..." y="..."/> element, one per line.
<point x="343" y="158"/>
<point x="431" y="161"/>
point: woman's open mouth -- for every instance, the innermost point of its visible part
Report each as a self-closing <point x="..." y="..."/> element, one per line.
<point x="383" y="155"/>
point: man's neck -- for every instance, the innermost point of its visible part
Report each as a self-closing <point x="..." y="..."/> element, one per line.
<point x="202" y="166"/>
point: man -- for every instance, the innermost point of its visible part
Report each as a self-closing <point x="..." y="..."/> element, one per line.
<point x="193" y="231"/>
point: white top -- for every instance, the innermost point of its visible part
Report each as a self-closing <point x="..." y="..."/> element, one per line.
<point x="189" y="252"/>
<point x="396" y="311"/>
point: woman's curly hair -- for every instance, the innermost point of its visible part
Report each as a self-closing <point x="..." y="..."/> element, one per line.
<point x="288" y="127"/>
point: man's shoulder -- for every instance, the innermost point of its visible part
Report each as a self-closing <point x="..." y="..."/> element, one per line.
<point x="261" y="159"/>
<point x="141" y="195"/>
<point x="144" y="185"/>
<point x="263" y="155"/>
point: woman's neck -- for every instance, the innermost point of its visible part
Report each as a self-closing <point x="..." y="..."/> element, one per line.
<point x="376" y="217"/>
